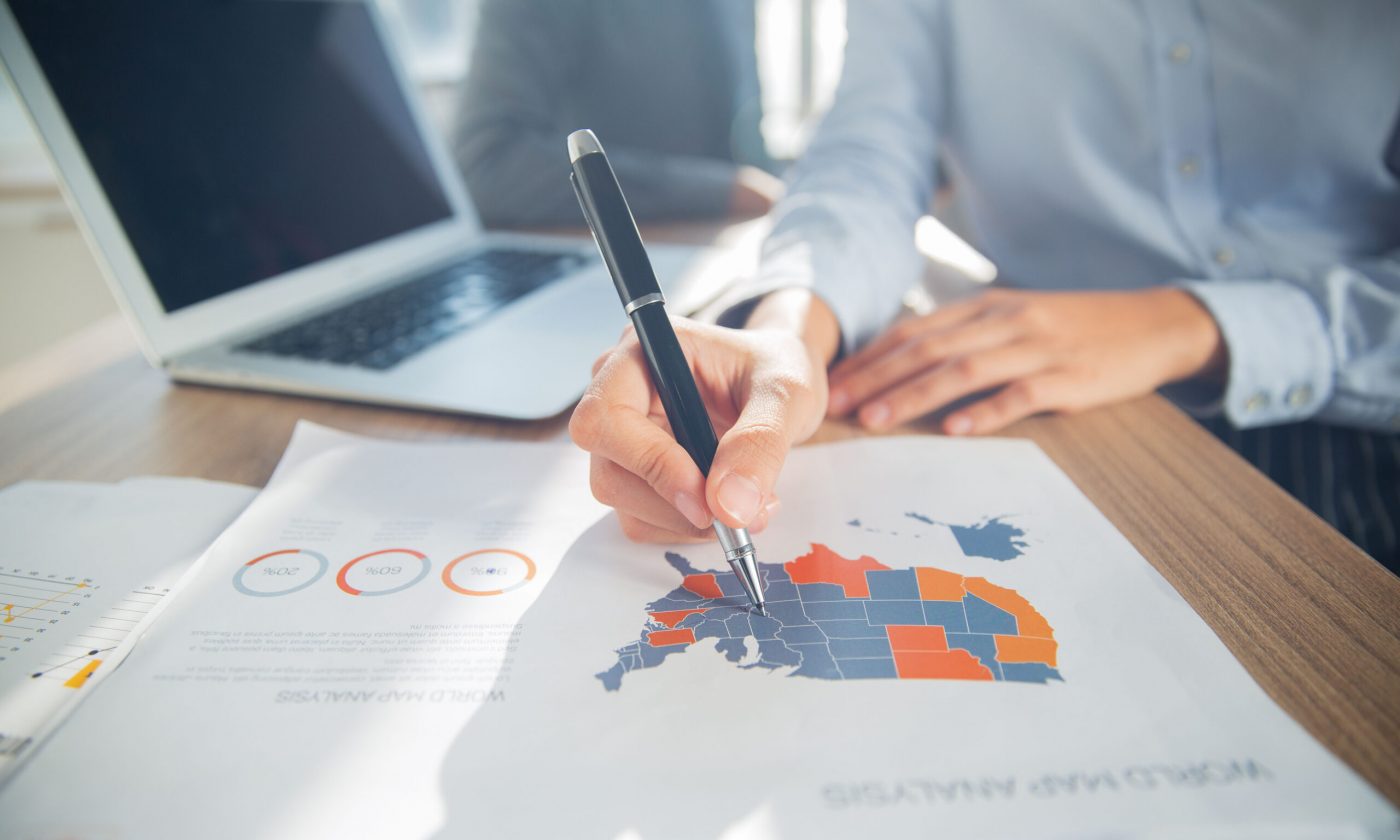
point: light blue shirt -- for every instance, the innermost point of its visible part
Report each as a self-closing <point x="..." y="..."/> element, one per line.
<point x="1235" y="148"/>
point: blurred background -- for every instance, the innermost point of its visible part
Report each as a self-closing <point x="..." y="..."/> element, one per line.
<point x="51" y="286"/>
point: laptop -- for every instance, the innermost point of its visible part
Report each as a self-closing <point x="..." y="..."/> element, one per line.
<point x="273" y="211"/>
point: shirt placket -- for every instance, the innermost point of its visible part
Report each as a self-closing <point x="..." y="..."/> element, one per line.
<point x="1180" y="67"/>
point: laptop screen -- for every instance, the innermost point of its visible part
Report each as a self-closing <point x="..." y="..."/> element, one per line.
<point x="236" y="140"/>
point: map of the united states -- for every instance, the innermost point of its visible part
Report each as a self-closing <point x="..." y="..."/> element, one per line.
<point x="833" y="618"/>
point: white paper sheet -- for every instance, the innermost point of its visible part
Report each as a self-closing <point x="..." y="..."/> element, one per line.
<point x="309" y="711"/>
<point x="83" y="570"/>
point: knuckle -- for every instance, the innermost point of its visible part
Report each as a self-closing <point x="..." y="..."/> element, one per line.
<point x="928" y="350"/>
<point x="762" y="441"/>
<point x="654" y="463"/>
<point x="1024" y="394"/>
<point x="966" y="367"/>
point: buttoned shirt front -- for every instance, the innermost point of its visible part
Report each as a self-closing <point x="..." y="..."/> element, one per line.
<point x="1237" y="149"/>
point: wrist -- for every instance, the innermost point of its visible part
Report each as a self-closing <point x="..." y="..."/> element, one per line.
<point x="803" y="315"/>
<point x="1200" y="348"/>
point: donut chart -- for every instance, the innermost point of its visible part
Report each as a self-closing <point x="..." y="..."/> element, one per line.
<point x="390" y="570"/>
<point x="488" y="571"/>
<point x="280" y="573"/>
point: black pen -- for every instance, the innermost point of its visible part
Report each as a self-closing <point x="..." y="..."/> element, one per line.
<point x="615" y="231"/>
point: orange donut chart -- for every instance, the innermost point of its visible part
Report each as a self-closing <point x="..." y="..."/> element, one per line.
<point x="462" y="590"/>
<point x="341" y="579"/>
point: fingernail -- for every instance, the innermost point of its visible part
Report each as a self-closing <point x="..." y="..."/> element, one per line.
<point x="740" y="497"/>
<point x="692" y="510"/>
<point x="774" y="505"/>
<point x="839" y="402"/>
<point x="958" y="424"/>
<point x="875" y="415"/>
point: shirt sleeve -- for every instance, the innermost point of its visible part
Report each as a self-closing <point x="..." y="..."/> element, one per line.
<point x="1325" y="348"/>
<point x="845" y="229"/>
<point x="510" y="147"/>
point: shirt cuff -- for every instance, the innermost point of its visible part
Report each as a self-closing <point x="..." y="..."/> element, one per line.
<point x="1281" y="364"/>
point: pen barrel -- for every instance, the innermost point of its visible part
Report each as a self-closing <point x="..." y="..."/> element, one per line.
<point x="680" y="398"/>
<point x="619" y="241"/>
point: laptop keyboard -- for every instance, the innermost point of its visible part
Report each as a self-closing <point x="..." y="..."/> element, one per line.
<point x="385" y="328"/>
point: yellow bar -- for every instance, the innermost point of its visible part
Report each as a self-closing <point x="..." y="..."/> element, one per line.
<point x="79" y="679"/>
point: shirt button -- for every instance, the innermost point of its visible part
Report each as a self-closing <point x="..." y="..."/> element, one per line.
<point x="1180" y="53"/>
<point x="1300" y="396"/>
<point x="1258" y="402"/>
<point x="1189" y="166"/>
<point x="1224" y="256"/>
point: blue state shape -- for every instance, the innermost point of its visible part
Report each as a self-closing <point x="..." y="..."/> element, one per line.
<point x="611" y="678"/>
<point x="851" y="630"/>
<point x="739" y="625"/>
<point x="802" y="634"/>
<point x="765" y="626"/>
<point x="860" y="648"/>
<point x="867" y="669"/>
<point x="787" y="613"/>
<point x="711" y="630"/>
<point x="733" y="649"/>
<point x="946" y="614"/>
<point x="1031" y="672"/>
<point x="894" y="612"/>
<point x="681" y="564"/>
<point x="821" y="592"/>
<point x="723" y="612"/>
<point x="729" y="584"/>
<point x="821" y="610"/>
<point x="889" y="584"/>
<point x="816" y="662"/>
<point x="772" y="653"/>
<point x="994" y="539"/>
<point x="780" y="590"/>
<point x="983" y="647"/>
<point x="983" y="617"/>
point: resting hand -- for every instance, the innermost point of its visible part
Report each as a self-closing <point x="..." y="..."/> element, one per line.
<point x="1033" y="351"/>
<point x="765" y="391"/>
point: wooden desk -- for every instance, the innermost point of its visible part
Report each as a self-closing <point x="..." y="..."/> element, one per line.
<point x="1312" y="618"/>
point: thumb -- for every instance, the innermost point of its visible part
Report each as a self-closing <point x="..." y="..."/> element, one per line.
<point x="748" y="460"/>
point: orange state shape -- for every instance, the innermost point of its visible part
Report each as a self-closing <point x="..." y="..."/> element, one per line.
<point x="703" y="585"/>
<point x="661" y="638"/>
<point x="1028" y="621"/>
<point x="822" y="565"/>
<point x="938" y="585"/>
<point x="1023" y="649"/>
<point x="949" y="665"/>
<point x="916" y="637"/>
<point x="671" y="618"/>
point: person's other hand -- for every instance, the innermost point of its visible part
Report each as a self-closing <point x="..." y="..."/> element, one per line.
<point x="765" y="390"/>
<point x="1032" y="351"/>
<point x="754" y="193"/>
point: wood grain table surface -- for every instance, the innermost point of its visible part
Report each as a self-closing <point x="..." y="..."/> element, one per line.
<point x="1312" y="618"/>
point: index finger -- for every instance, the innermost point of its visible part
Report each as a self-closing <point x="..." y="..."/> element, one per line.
<point x="612" y="422"/>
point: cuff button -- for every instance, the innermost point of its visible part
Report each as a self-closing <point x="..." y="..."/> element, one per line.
<point x="1257" y="402"/>
<point x="1300" y="396"/>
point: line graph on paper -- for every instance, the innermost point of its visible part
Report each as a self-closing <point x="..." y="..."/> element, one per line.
<point x="34" y="606"/>
<point x="72" y="650"/>
<point x="73" y="664"/>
